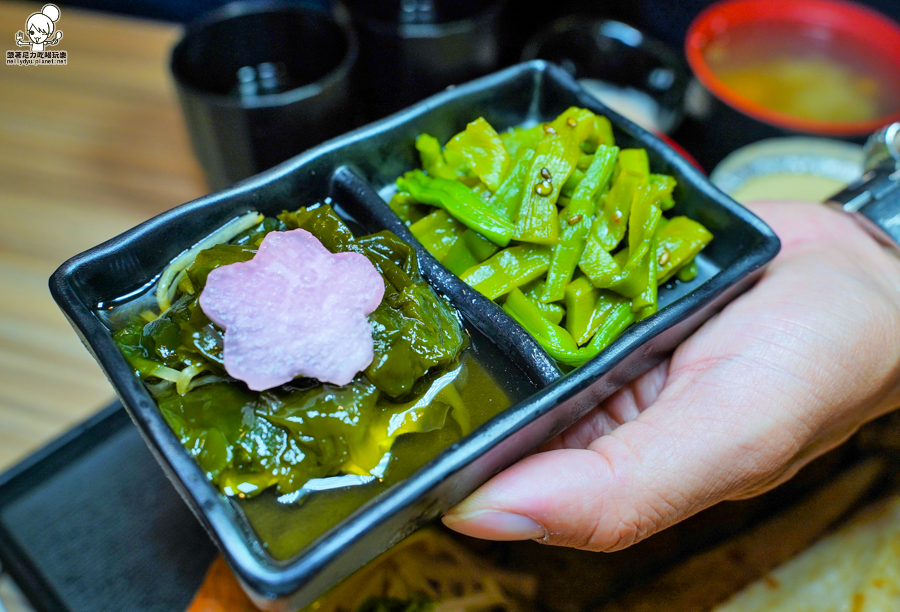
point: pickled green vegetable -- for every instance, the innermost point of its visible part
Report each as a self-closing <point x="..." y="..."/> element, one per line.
<point x="557" y="341"/>
<point x="537" y="220"/>
<point x="459" y="258"/>
<point x="405" y="207"/>
<point x="612" y="221"/>
<point x="688" y="272"/>
<point x="635" y="161"/>
<point x="508" y="269"/>
<point x="432" y="157"/>
<point x="437" y="232"/>
<point x="666" y="185"/>
<point x="679" y="241"/>
<point x="518" y="141"/>
<point x="575" y="222"/>
<point x="589" y="245"/>
<point x="508" y="199"/>
<point x="459" y="201"/>
<point x="480" y="145"/>
<point x="248" y="441"/>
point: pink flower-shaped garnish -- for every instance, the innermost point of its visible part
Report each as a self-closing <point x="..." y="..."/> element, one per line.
<point x="295" y="309"/>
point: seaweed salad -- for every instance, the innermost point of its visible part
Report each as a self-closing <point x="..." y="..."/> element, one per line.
<point x="285" y="437"/>
<point x="555" y="223"/>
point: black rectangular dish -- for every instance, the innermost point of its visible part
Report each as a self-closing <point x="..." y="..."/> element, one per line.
<point x="351" y="170"/>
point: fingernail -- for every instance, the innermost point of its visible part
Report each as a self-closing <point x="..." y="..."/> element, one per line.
<point x="494" y="525"/>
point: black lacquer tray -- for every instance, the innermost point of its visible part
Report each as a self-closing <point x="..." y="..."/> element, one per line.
<point x="350" y="170"/>
<point x="90" y="524"/>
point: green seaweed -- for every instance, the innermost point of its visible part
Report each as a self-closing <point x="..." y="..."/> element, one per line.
<point x="246" y="441"/>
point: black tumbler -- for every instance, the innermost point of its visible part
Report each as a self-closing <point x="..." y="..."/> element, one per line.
<point x="260" y="82"/>
<point x="411" y="49"/>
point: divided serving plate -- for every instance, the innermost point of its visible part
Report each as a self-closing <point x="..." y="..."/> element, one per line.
<point x="352" y="170"/>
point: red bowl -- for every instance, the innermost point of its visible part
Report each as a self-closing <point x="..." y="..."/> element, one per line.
<point x="870" y="29"/>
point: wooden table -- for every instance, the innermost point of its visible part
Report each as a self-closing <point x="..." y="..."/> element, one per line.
<point x="87" y="150"/>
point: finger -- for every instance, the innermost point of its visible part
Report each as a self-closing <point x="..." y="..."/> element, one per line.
<point x="686" y="452"/>
<point x="623" y="406"/>
<point x="728" y="418"/>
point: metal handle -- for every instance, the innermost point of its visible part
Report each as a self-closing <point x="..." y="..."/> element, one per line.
<point x="874" y="200"/>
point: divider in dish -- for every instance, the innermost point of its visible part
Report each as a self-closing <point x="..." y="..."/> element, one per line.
<point x="351" y="190"/>
<point x="513" y="362"/>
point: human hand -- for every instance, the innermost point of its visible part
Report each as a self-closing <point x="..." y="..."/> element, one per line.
<point x="784" y="373"/>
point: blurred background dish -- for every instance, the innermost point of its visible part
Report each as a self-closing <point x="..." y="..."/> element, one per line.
<point x="260" y="82"/>
<point x="795" y="168"/>
<point x="638" y="77"/>
<point x="411" y="49"/>
<point x="763" y="69"/>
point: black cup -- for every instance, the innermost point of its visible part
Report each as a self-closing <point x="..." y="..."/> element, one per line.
<point x="411" y="49"/>
<point x="260" y="82"/>
<point x="618" y="54"/>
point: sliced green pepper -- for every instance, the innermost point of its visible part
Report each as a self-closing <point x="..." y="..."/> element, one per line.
<point x="666" y="185"/>
<point x="680" y="239"/>
<point x="481" y="247"/>
<point x="616" y="320"/>
<point x="687" y="272"/>
<point x="587" y="308"/>
<point x="406" y="207"/>
<point x="627" y="272"/>
<point x="519" y="140"/>
<point x="508" y="198"/>
<point x="556" y="340"/>
<point x="482" y="148"/>
<point x="459" y="201"/>
<point x="571" y="183"/>
<point x="632" y="281"/>
<point x="575" y="222"/>
<point x="432" y="157"/>
<point x="459" y="258"/>
<point x="553" y="312"/>
<point x="582" y="131"/>
<point x="612" y="220"/>
<point x="437" y="232"/>
<point x="599" y="266"/>
<point x="604" y="132"/>
<point x="581" y="297"/>
<point x="645" y="302"/>
<point x="553" y="338"/>
<point x="538" y="218"/>
<point x="508" y="269"/>
<point x="479" y="189"/>
<point x="636" y="161"/>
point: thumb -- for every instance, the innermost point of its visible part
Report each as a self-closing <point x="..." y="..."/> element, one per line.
<point x="695" y="446"/>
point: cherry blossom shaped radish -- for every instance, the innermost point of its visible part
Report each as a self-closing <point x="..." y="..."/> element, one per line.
<point x="295" y="309"/>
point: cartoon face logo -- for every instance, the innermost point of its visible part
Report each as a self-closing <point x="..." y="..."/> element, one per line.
<point x="40" y="29"/>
